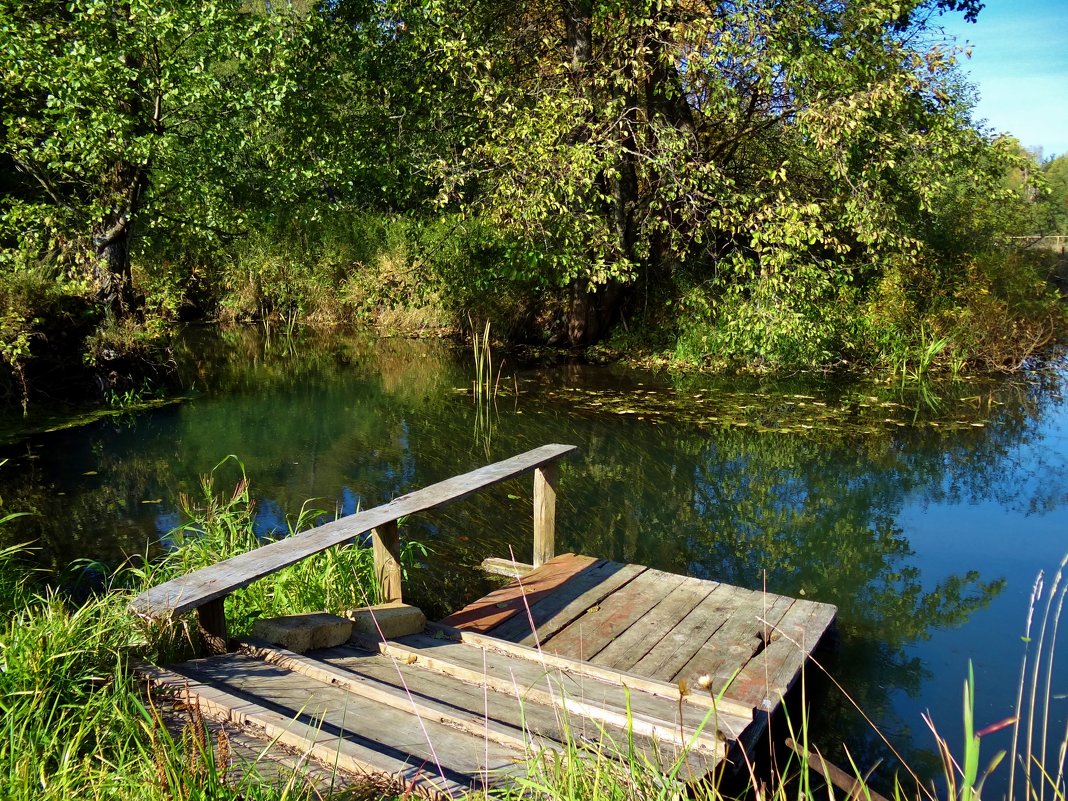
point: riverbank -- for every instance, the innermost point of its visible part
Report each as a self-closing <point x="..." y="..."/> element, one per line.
<point x="76" y="724"/>
<point x="405" y="275"/>
<point x="889" y="500"/>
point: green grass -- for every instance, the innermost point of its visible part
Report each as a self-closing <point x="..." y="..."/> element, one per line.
<point x="75" y="724"/>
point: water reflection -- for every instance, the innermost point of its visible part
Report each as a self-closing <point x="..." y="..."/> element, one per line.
<point x="799" y="487"/>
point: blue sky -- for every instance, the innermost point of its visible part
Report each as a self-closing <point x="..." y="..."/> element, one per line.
<point x="1020" y="65"/>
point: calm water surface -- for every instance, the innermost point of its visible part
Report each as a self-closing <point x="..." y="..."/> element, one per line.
<point x="924" y="517"/>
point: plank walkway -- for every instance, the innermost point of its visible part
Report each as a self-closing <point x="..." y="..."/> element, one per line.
<point x="581" y="651"/>
<point x="633" y="619"/>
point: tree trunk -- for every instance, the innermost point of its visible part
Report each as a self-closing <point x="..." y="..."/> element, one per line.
<point x="111" y="272"/>
<point x="578" y="23"/>
<point x="591" y="314"/>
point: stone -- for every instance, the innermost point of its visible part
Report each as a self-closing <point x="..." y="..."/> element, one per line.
<point x="300" y="633"/>
<point x="393" y="619"/>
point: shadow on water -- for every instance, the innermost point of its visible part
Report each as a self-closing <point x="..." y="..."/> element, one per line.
<point x="845" y="493"/>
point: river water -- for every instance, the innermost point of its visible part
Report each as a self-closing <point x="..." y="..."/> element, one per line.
<point x="924" y="514"/>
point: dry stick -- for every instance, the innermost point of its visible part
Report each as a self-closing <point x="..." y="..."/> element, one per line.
<point x="856" y="706"/>
<point x="537" y="640"/>
<point x="485" y="716"/>
<point x="852" y="785"/>
<point x="1036" y="593"/>
<point x="1034" y="674"/>
<point x="408" y="692"/>
<point x="1049" y="665"/>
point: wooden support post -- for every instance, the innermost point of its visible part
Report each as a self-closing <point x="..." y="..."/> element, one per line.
<point x="855" y="788"/>
<point x="545" y="479"/>
<point x="211" y="620"/>
<point x="386" y="544"/>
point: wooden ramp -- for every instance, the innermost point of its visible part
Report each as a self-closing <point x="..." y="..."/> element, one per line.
<point x="749" y="646"/>
<point x="575" y="655"/>
<point x="467" y="703"/>
<point x="448" y="716"/>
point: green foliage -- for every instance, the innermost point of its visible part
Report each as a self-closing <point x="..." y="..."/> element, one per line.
<point x="780" y="160"/>
<point x="139" y="117"/>
<point x="221" y="525"/>
<point x="802" y="181"/>
<point x="77" y="725"/>
<point x="1051" y="210"/>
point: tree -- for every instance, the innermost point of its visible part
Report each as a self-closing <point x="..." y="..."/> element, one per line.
<point x="124" y="116"/>
<point x="778" y="154"/>
<point x="1052" y="208"/>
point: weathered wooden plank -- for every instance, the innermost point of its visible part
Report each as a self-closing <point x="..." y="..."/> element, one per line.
<point x="538" y="722"/>
<point x="678" y="646"/>
<point x="450" y="714"/>
<point x="573" y="667"/>
<point x="646" y="634"/>
<point x="506" y="567"/>
<point x="201" y="586"/>
<point x="769" y="676"/>
<point x="737" y="641"/>
<point x="514" y="598"/>
<point x="590" y="633"/>
<point x="545" y="480"/>
<point x="385" y="541"/>
<point x="611" y="705"/>
<point x="350" y="718"/>
<point x="523" y="666"/>
<point x="579" y="594"/>
<point x="349" y="756"/>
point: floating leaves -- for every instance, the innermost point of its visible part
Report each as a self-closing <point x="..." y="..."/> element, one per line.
<point x="767" y="411"/>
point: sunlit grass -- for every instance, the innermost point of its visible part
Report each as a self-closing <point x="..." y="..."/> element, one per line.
<point x="75" y="724"/>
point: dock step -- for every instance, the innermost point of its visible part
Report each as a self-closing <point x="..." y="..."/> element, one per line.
<point x="446" y="715"/>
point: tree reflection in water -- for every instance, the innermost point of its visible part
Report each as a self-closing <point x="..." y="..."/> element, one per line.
<point x="798" y="487"/>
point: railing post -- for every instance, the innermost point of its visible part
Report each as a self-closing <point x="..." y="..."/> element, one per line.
<point x="386" y="542"/>
<point x="545" y="479"/>
<point x="211" y="624"/>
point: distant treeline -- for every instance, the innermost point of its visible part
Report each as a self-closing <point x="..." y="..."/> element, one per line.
<point x="751" y="185"/>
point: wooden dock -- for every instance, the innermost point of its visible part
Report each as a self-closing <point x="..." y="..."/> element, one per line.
<point x="574" y="655"/>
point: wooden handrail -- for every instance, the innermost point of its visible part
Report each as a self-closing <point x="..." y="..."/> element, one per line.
<point x="206" y="588"/>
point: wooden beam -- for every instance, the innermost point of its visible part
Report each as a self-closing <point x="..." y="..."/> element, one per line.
<point x="855" y="787"/>
<point x="211" y="625"/>
<point x="201" y="586"/>
<point x="580" y="668"/>
<point x="386" y="543"/>
<point x="695" y="735"/>
<point x="505" y="567"/>
<point x="545" y="480"/>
